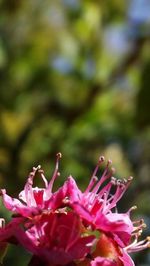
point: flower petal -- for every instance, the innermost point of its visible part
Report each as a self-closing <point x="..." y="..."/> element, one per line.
<point x="99" y="261"/>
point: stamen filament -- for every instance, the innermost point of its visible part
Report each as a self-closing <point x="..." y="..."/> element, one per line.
<point x="55" y="174"/>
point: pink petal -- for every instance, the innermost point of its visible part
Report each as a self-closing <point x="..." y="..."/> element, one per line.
<point x="126" y="259"/>
<point x="119" y="224"/>
<point x="99" y="261"/>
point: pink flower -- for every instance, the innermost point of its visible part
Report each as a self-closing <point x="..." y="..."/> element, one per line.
<point x="57" y="237"/>
<point x="70" y="226"/>
<point x="33" y="200"/>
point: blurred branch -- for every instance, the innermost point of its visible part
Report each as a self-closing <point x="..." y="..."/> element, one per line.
<point x="128" y="61"/>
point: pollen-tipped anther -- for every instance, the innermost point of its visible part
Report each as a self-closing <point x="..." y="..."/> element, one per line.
<point x="59" y="155"/>
<point x="2" y="222"/>
<point x="101" y="159"/>
<point x="35" y="169"/>
<point x="114" y="181"/>
<point x="130" y="178"/>
<point x="133" y="208"/>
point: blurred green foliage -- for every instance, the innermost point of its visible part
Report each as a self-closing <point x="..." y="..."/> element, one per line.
<point x="74" y="78"/>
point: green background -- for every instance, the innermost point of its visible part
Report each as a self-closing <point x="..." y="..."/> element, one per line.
<point x="75" y="79"/>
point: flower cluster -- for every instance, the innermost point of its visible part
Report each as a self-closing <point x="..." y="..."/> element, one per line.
<point x="70" y="227"/>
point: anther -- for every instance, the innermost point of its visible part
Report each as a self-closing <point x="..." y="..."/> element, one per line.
<point x="101" y="159"/>
<point x="113" y="180"/>
<point x="95" y="178"/>
<point x="2" y="222"/>
<point x="130" y="178"/>
<point x="125" y="181"/>
<point x="59" y="155"/>
<point x="133" y="208"/>
<point x="119" y="182"/>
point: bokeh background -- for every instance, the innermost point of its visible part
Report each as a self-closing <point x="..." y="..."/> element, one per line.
<point x="75" y="78"/>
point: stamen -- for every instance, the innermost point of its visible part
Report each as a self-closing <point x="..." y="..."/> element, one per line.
<point x="93" y="180"/>
<point x="44" y="178"/>
<point x="130" y="178"/>
<point x="103" y="207"/>
<point x="122" y="186"/>
<point x="101" y="159"/>
<point x="28" y="187"/>
<point x="106" y="175"/>
<point x="138" y="246"/>
<point x="113" y="180"/>
<point x="2" y="222"/>
<point x="32" y="174"/>
<point x="55" y="174"/>
<point x="139" y="227"/>
<point x="105" y="189"/>
<point x="133" y="208"/>
<point x="138" y="222"/>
